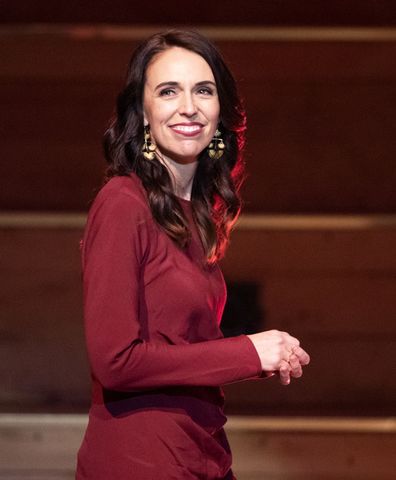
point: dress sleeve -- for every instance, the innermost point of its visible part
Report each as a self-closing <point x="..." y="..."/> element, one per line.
<point x="114" y="249"/>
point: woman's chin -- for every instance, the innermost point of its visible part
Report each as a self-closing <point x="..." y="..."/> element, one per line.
<point x="183" y="156"/>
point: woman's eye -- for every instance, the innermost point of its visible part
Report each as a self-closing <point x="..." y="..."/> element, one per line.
<point x="166" y="92"/>
<point x="205" y="91"/>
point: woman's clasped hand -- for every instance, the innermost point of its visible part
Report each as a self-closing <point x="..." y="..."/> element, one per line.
<point x="280" y="354"/>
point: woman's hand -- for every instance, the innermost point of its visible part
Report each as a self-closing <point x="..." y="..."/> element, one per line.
<point x="280" y="353"/>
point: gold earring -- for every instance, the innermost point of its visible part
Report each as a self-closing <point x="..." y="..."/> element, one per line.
<point x="216" y="146"/>
<point x="148" y="147"/>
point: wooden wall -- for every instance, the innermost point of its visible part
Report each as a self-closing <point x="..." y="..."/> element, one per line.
<point x="334" y="289"/>
<point x="35" y="447"/>
<point x="321" y="141"/>
<point x="320" y="118"/>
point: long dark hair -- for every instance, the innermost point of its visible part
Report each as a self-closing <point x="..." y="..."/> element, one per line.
<point x="215" y="191"/>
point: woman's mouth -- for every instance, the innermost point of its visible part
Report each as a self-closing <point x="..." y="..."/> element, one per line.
<point x="187" y="129"/>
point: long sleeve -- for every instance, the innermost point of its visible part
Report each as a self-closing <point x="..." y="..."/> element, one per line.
<point x="115" y="248"/>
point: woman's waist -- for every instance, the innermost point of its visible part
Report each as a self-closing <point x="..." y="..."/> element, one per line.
<point x="204" y="405"/>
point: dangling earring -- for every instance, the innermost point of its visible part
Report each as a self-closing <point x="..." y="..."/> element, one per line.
<point x="148" y="147"/>
<point x="216" y="146"/>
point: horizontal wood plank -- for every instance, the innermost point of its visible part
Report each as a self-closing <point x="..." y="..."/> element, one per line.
<point x="333" y="290"/>
<point x="289" y="448"/>
<point x="320" y="117"/>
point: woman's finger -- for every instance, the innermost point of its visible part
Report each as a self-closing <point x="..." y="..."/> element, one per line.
<point x="302" y="355"/>
<point x="284" y="373"/>
<point x="296" y="369"/>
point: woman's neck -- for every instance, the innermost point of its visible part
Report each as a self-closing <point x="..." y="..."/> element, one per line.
<point x="182" y="175"/>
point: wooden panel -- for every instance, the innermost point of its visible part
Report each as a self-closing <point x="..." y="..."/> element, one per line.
<point x="320" y="117"/>
<point x="34" y="449"/>
<point x="343" y="306"/>
<point x="43" y="359"/>
<point x="93" y="54"/>
<point x="345" y="376"/>
<point x="45" y="446"/>
<point x="314" y="146"/>
<point x="254" y="254"/>
<point x="291" y="12"/>
<point x="335" y="290"/>
<point x="278" y="456"/>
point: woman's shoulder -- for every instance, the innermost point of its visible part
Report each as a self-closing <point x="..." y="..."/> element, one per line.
<point x="121" y="201"/>
<point x="123" y="190"/>
<point x="124" y="185"/>
<point x="120" y="209"/>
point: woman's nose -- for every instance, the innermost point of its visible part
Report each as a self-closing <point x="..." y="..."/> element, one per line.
<point x="187" y="105"/>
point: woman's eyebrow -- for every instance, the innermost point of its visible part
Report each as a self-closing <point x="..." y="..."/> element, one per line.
<point x="206" y="82"/>
<point x="167" y="84"/>
<point x="176" y="84"/>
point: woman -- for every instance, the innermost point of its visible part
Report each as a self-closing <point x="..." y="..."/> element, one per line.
<point x="153" y="291"/>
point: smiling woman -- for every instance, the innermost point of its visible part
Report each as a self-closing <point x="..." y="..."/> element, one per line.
<point x="178" y="93"/>
<point x="153" y="291"/>
<point x="181" y="104"/>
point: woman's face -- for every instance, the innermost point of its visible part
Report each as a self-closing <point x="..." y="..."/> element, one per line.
<point x="180" y="104"/>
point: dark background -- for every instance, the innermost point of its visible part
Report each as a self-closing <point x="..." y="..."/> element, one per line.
<point x="317" y="240"/>
<point x="195" y="12"/>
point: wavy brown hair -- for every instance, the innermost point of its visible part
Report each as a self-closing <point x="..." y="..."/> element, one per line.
<point x="215" y="198"/>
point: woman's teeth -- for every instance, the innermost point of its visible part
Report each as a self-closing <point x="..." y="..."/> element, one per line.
<point x="187" y="129"/>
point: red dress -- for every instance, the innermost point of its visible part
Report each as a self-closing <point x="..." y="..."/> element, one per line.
<point x="157" y="355"/>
